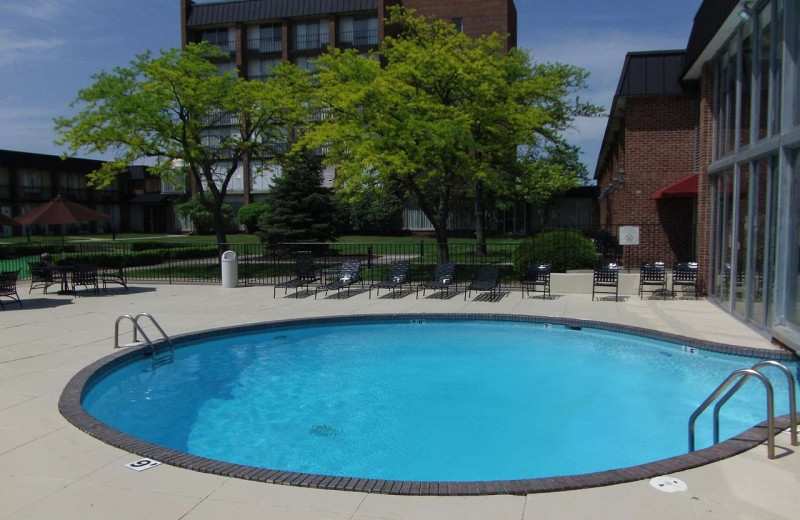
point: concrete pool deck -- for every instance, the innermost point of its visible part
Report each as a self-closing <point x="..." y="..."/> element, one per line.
<point x="50" y="469"/>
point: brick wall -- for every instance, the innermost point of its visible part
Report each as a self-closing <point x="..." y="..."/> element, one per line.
<point x="479" y="17"/>
<point x="706" y="118"/>
<point x="656" y="147"/>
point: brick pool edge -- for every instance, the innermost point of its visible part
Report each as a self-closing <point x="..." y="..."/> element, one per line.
<point x="71" y="408"/>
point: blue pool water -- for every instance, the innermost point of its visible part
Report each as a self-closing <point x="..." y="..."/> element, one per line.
<point x="429" y="401"/>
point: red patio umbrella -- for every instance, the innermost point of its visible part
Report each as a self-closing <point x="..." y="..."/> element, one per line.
<point x="6" y="221"/>
<point x="60" y="211"/>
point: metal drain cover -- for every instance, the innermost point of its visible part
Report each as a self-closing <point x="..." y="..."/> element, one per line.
<point x="668" y="484"/>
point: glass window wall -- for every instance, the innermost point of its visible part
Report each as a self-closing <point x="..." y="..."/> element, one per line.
<point x="764" y="59"/>
<point x="747" y="83"/>
<point x="793" y="271"/>
<point x="739" y="263"/>
<point x="724" y="235"/>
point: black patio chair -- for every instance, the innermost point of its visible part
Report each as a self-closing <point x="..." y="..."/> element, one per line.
<point x="115" y="273"/>
<point x="652" y="278"/>
<point x="349" y="273"/>
<point x="42" y="276"/>
<point x="606" y="280"/>
<point x="536" y="278"/>
<point x="684" y="275"/>
<point x="85" y="275"/>
<point x="305" y="273"/>
<point x="444" y="275"/>
<point x="8" y="286"/>
<point x="397" y="276"/>
<point x="487" y="279"/>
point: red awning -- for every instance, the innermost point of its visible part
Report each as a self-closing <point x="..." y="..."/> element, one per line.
<point x="683" y="188"/>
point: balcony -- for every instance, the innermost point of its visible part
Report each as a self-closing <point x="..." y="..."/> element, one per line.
<point x="264" y="46"/>
<point x="309" y="43"/>
<point x="228" y="50"/>
<point x="363" y="40"/>
<point x="218" y="118"/>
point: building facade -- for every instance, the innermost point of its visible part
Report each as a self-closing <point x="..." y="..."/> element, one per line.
<point x="742" y="64"/>
<point x="649" y="146"/>
<point x="134" y="201"/>
<point x="256" y="35"/>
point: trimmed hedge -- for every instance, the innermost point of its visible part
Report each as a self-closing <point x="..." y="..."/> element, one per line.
<point x="563" y="248"/>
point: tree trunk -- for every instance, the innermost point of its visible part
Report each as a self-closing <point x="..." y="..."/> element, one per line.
<point x="480" y="221"/>
<point x="219" y="226"/>
<point x="441" y="241"/>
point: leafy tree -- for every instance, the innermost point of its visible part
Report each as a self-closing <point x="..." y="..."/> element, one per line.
<point x="372" y="212"/>
<point x="249" y="213"/>
<point x="197" y="211"/>
<point x="444" y="118"/>
<point x="176" y="111"/>
<point x="299" y="207"/>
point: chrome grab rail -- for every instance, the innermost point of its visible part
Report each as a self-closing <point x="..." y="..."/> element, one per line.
<point x="746" y="373"/>
<point x="137" y="329"/>
<point x="742" y="381"/>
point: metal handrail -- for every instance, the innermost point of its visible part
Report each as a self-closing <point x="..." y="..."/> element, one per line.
<point x="138" y="329"/>
<point x="745" y="372"/>
<point x="742" y="381"/>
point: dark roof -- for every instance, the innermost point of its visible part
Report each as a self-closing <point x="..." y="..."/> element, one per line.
<point x="47" y="162"/>
<point x="650" y="73"/>
<point x="708" y="20"/>
<point x="253" y="10"/>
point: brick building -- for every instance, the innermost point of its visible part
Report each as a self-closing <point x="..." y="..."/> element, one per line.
<point x="718" y="155"/>
<point x="648" y="152"/>
<point x="258" y="34"/>
<point x="134" y="201"/>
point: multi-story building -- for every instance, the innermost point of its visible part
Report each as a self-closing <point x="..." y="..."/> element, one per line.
<point x="740" y="88"/>
<point x="256" y="35"/>
<point x="135" y="202"/>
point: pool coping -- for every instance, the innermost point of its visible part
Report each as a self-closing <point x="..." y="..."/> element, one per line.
<point x="71" y="408"/>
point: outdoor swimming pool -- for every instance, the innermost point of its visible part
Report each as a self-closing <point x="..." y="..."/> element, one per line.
<point x="416" y="399"/>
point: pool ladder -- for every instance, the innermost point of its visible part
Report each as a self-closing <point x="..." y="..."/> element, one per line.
<point x="160" y="356"/>
<point x="741" y="376"/>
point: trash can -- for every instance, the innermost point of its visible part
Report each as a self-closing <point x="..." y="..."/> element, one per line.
<point x="230" y="270"/>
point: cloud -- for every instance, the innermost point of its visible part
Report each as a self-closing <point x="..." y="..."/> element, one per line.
<point x="36" y="9"/>
<point x="602" y="54"/>
<point x="16" y="47"/>
<point x="29" y="130"/>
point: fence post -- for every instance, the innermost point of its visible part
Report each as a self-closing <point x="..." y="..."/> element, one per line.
<point x="369" y="257"/>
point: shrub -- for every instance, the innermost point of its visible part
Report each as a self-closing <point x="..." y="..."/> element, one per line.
<point x="248" y="215"/>
<point x="563" y="248"/>
<point x="375" y="212"/>
<point x="199" y="213"/>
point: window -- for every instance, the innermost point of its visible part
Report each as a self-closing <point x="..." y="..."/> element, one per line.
<point x="220" y="38"/>
<point x="261" y="69"/>
<point x="35" y="184"/>
<point x="310" y="35"/>
<point x="305" y="63"/>
<point x="265" y="38"/>
<point x="777" y="69"/>
<point x="793" y="271"/>
<point x="223" y="68"/>
<point x="747" y="84"/>
<point x="764" y="58"/>
<point x="359" y="31"/>
<point x="459" y="24"/>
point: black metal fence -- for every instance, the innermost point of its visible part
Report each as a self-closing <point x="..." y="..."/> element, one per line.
<point x="259" y="264"/>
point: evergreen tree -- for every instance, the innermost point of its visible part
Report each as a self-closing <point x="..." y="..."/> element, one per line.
<point x="299" y="208"/>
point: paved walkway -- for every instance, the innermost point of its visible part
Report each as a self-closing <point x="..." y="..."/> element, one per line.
<point x="49" y="469"/>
